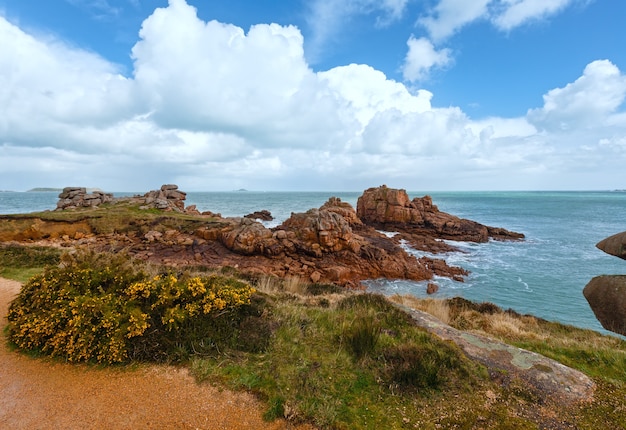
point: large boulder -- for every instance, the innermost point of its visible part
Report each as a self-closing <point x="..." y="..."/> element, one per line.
<point x="614" y="245"/>
<point x="607" y="297"/>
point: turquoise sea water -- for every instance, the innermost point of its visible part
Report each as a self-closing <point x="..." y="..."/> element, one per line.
<point x="543" y="275"/>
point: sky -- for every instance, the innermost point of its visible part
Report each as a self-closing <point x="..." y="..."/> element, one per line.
<point x="317" y="95"/>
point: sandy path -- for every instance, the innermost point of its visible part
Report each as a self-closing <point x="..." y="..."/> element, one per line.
<point x="40" y="394"/>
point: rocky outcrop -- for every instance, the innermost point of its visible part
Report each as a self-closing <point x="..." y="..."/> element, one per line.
<point x="606" y="294"/>
<point x="169" y="197"/>
<point x="345" y="209"/>
<point x="78" y="197"/>
<point x="331" y="244"/>
<point x="320" y="230"/>
<point x="390" y="209"/>
<point x="263" y="215"/>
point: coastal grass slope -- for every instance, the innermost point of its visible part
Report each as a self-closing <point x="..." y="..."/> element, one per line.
<point x="340" y="359"/>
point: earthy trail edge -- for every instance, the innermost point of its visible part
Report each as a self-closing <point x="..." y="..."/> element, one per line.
<point x="42" y="394"/>
<point x="548" y="378"/>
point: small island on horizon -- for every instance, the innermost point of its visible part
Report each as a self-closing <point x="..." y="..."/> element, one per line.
<point x="44" y="189"/>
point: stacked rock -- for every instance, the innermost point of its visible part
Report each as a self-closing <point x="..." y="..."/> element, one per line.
<point x="77" y="197"/>
<point x="606" y="294"/>
<point x="169" y="197"/>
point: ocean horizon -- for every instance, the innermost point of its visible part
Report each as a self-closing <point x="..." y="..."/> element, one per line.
<point x="544" y="275"/>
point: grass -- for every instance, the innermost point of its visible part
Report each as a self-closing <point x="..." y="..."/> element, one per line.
<point x="359" y="364"/>
<point x="122" y="217"/>
<point x="20" y="262"/>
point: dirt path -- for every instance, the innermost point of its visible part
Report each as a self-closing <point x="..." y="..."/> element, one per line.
<point x="39" y="394"/>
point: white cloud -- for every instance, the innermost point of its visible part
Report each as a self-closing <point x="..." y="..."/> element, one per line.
<point x="423" y="57"/>
<point x="366" y="91"/>
<point x="448" y="16"/>
<point x="590" y="101"/>
<point x="46" y="87"/>
<point x="211" y="107"/>
<point x="517" y="12"/>
<point x="214" y="77"/>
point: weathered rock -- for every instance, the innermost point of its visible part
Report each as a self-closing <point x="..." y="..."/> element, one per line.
<point x="318" y="231"/>
<point x="263" y="215"/>
<point x="250" y="237"/>
<point x="614" y="245"/>
<point x="391" y="209"/>
<point x="76" y="197"/>
<point x="432" y="288"/>
<point x="607" y="297"/>
<point x="168" y="197"/>
<point x="345" y="209"/>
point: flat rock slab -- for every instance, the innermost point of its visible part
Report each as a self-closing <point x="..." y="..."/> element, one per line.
<point x="614" y="245"/>
<point x="548" y="378"/>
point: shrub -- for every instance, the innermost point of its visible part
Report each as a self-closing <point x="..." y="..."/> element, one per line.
<point x="107" y="308"/>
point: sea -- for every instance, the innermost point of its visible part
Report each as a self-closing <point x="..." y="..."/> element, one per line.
<point x="543" y="275"/>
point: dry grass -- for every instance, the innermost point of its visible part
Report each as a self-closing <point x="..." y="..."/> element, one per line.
<point x="291" y="285"/>
<point x="436" y="307"/>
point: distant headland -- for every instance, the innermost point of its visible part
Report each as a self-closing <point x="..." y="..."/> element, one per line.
<point x="44" y="189"/>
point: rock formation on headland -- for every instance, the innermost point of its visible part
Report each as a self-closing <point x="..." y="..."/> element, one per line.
<point x="333" y="243"/>
<point x="420" y="221"/>
<point x="607" y="294"/>
<point x="78" y="197"/>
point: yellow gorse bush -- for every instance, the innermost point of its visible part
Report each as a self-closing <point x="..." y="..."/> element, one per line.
<point x="101" y="308"/>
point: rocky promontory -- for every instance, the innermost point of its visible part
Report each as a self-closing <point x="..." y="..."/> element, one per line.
<point x="332" y="244"/>
<point x="420" y="221"/>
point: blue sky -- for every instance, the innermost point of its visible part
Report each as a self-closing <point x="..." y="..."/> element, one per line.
<point x="313" y="95"/>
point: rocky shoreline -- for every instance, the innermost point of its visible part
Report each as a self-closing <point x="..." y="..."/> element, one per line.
<point x="331" y="244"/>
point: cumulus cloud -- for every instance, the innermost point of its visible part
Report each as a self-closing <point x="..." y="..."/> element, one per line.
<point x="421" y="57"/>
<point x="212" y="107"/>
<point x="588" y="102"/>
<point x="212" y="76"/>
<point x="55" y="87"/>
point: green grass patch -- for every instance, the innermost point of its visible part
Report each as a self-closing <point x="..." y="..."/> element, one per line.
<point x="351" y="366"/>
<point x="20" y="262"/>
